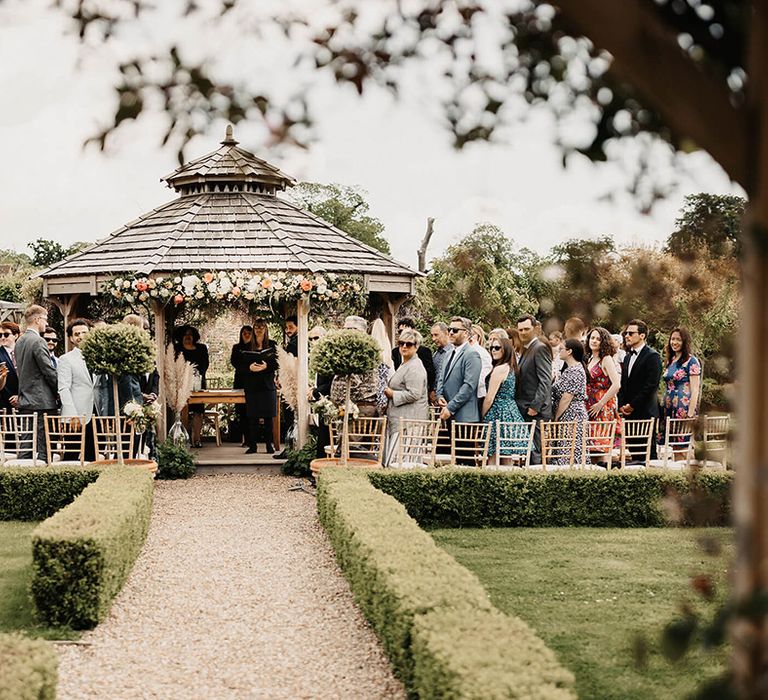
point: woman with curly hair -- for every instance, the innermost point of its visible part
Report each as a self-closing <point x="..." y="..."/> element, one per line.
<point x="603" y="378"/>
<point x="682" y="377"/>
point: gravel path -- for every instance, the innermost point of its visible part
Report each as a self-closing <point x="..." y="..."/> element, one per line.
<point x="235" y="595"/>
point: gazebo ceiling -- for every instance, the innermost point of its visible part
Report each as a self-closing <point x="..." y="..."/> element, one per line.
<point x="227" y="217"/>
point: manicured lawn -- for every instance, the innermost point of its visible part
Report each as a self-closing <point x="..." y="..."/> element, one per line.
<point x="590" y="592"/>
<point x="16" y="611"/>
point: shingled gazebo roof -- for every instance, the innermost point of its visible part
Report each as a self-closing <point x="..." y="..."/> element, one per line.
<point x="228" y="217"/>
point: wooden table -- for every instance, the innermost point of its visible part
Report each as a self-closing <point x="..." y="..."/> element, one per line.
<point x="217" y="396"/>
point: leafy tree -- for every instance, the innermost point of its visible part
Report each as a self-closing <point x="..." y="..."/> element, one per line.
<point x="344" y="207"/>
<point x="482" y="277"/>
<point x="46" y="252"/>
<point x="709" y="223"/>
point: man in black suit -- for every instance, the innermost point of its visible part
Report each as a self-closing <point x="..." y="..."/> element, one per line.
<point x="422" y="353"/>
<point x="640" y="375"/>
<point x="534" y="385"/>
<point x="9" y="394"/>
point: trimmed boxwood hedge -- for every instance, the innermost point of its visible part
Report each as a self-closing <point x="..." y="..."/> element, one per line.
<point x="36" y="494"/>
<point x="83" y="554"/>
<point x="433" y="617"/>
<point x="474" y="498"/>
<point x="28" y="668"/>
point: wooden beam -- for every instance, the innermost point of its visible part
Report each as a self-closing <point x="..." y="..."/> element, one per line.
<point x="160" y="341"/>
<point x="392" y="306"/>
<point x="750" y="635"/>
<point x="693" y="103"/>
<point x="66" y="305"/>
<point x="302" y="379"/>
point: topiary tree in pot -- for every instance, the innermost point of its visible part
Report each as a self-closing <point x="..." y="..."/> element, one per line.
<point x="118" y="350"/>
<point x="345" y="353"/>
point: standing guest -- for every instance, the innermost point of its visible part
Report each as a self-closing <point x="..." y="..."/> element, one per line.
<point x="424" y="354"/>
<point x="477" y="343"/>
<point x="287" y="416"/>
<point x="457" y="386"/>
<point x="258" y="364"/>
<point x="292" y="335"/>
<point x="682" y="377"/>
<point x="321" y="388"/>
<point x="38" y="383"/>
<point x="442" y="343"/>
<point x="497" y="334"/>
<point x="243" y="343"/>
<point x="603" y="378"/>
<point x="575" y="328"/>
<point x="640" y="375"/>
<point x="187" y="342"/>
<point x="76" y="387"/>
<point x="9" y="394"/>
<point x="555" y="340"/>
<point x="569" y="394"/>
<point x="51" y="340"/>
<point x="499" y="403"/>
<point x="618" y="348"/>
<point x="406" y="391"/>
<point x="534" y="388"/>
<point x="136" y="320"/>
<point x="514" y="336"/>
<point x="384" y="369"/>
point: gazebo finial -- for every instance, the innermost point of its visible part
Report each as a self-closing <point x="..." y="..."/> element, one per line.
<point x="229" y="139"/>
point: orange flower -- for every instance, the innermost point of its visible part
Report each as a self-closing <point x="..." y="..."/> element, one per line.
<point x="178" y="299"/>
<point x="306" y="285"/>
<point x="208" y="277"/>
<point x="266" y="283"/>
<point x="235" y="291"/>
<point x="142" y="286"/>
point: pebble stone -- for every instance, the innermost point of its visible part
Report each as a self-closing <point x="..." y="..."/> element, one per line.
<point x="236" y="594"/>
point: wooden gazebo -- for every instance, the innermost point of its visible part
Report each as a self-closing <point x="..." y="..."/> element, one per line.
<point x="228" y="216"/>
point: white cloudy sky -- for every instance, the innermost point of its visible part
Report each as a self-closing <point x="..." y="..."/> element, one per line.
<point x="55" y="93"/>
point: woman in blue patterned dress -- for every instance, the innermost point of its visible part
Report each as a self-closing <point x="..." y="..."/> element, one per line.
<point x="569" y="395"/>
<point x="682" y="377"/>
<point x="499" y="403"/>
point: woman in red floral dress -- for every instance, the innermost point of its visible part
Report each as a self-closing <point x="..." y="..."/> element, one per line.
<point x="603" y="379"/>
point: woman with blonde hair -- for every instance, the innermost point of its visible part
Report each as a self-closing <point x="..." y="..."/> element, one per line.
<point x="386" y="367"/>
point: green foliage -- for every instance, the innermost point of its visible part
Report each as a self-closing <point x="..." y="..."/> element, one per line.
<point x="297" y="462"/>
<point x="28" y="668"/>
<point x="344" y="353"/>
<point x="46" y="252"/>
<point x="709" y="224"/>
<point x="36" y="494"/>
<point x="415" y="597"/>
<point x="466" y="498"/>
<point x="84" y="553"/>
<point x="345" y="208"/>
<point x="482" y="277"/>
<point x="118" y="349"/>
<point x="174" y="461"/>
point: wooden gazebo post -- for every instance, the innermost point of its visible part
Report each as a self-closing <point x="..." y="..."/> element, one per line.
<point x="302" y="380"/>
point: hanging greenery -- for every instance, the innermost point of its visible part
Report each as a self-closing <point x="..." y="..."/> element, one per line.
<point x="248" y="290"/>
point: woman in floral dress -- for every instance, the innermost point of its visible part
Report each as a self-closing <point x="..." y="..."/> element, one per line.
<point x="499" y="403"/>
<point x="603" y="379"/>
<point x="569" y="395"/>
<point x="682" y="377"/>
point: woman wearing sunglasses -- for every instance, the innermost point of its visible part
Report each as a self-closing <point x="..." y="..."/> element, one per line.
<point x="407" y="387"/>
<point x="499" y="403"/>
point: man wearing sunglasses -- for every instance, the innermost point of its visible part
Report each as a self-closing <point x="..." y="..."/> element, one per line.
<point x="640" y="376"/>
<point x="457" y="384"/>
<point x="9" y="334"/>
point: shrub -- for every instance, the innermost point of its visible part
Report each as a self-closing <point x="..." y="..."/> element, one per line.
<point x="413" y="594"/>
<point x="28" y="668"/>
<point x="345" y="352"/>
<point x="469" y="498"/>
<point x="175" y="461"/>
<point x="119" y="349"/>
<point x="297" y="462"/>
<point x="36" y="494"/>
<point x="83" y="554"/>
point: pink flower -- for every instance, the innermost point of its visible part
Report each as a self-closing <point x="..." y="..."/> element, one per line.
<point x="208" y="277"/>
<point x="178" y="299"/>
<point x="306" y="285"/>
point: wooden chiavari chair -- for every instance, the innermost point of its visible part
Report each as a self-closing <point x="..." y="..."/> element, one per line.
<point x="366" y="438"/>
<point x="469" y="443"/>
<point x="717" y="430"/>
<point x="443" y="452"/>
<point x="598" y="442"/>
<point x="678" y="440"/>
<point x="558" y="443"/>
<point x="415" y="444"/>
<point x="19" y="436"/>
<point x="65" y="441"/>
<point x="636" y="439"/>
<point x="514" y="442"/>
<point x="105" y="440"/>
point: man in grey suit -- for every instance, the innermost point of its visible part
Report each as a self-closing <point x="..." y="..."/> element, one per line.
<point x="76" y="385"/>
<point x="38" y="384"/>
<point x="534" y="384"/>
<point x="457" y="384"/>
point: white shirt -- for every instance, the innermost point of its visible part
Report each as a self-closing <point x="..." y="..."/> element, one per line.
<point x="633" y="357"/>
<point x="486" y="365"/>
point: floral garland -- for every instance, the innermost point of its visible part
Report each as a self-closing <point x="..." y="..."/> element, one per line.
<point x="246" y="288"/>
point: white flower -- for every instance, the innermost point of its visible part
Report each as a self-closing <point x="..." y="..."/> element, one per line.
<point x="213" y="288"/>
<point x="177" y="280"/>
<point x="126" y="284"/>
<point x="320" y="281"/>
<point x="129" y="298"/>
<point x="222" y="275"/>
<point x="281" y="275"/>
<point x="199" y="295"/>
<point x="322" y="289"/>
<point x="225" y="286"/>
<point x="164" y="292"/>
<point x="277" y="285"/>
<point x="119" y="282"/>
<point x="253" y="284"/>
<point x="131" y="409"/>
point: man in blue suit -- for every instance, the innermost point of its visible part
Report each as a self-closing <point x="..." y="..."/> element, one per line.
<point x="9" y="334"/>
<point x="457" y="384"/>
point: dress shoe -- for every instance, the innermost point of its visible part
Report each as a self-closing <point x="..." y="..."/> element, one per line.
<point x="281" y="455"/>
<point x="251" y="450"/>
<point x="270" y="448"/>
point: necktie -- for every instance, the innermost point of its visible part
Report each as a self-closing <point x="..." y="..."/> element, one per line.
<point x="13" y="358"/>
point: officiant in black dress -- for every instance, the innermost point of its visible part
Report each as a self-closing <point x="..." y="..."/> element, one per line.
<point x="257" y="364"/>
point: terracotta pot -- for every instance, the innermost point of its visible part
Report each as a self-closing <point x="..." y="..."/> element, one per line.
<point x="317" y="465"/>
<point x="149" y="464"/>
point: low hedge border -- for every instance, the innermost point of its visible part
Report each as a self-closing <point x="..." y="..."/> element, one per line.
<point x="474" y="498"/>
<point x="83" y="554"/>
<point x="433" y="617"/>
<point x="37" y="493"/>
<point x="28" y="668"/>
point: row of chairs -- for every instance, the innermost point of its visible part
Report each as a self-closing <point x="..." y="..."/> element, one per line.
<point x="431" y="442"/>
<point x="64" y="443"/>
